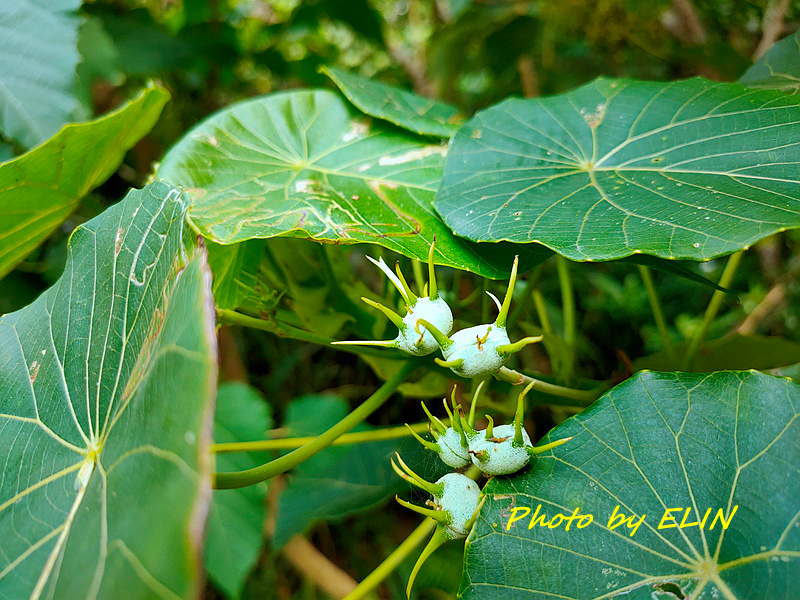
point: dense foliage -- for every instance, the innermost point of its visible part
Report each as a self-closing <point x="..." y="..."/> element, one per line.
<point x="197" y="195"/>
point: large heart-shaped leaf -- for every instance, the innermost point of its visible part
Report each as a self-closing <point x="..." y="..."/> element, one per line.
<point x="106" y="393"/>
<point x="779" y="68"/>
<point x="38" y="190"/>
<point x="307" y="164"/>
<point x="723" y="441"/>
<point x="691" y="169"/>
<point x="396" y="105"/>
<point x="38" y="58"/>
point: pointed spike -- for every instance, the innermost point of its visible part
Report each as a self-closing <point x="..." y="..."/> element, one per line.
<point x="519" y="416"/>
<point x="412" y="298"/>
<point x="476" y="393"/>
<point x="474" y="516"/>
<point x="439" y="515"/>
<point x="425" y="443"/>
<point x="425" y="290"/>
<point x="449" y="412"/>
<point x="481" y="455"/>
<point x="437" y="424"/>
<point x="384" y="343"/>
<point x="450" y="364"/>
<point x="496" y="301"/>
<point x="434" y="290"/>
<point x="501" y="318"/>
<point x="533" y="451"/>
<point x="490" y="428"/>
<point x="392" y="277"/>
<point x="441" y="339"/>
<point x="432" y="488"/>
<point x="392" y="316"/>
<point x="517" y="346"/>
<point x="438" y="538"/>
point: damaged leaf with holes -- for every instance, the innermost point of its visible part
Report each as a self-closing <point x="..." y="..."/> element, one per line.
<point x="107" y="396"/>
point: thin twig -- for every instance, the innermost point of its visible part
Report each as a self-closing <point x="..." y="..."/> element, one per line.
<point x="772" y="26"/>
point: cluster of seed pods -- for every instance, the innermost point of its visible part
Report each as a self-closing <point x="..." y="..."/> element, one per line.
<point x="501" y="450"/>
<point x="476" y="351"/>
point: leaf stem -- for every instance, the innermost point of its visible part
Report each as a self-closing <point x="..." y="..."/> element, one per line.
<point x="583" y="397"/>
<point x="281" y="329"/>
<point x="658" y="315"/>
<point x="359" y="437"/>
<point x="568" y="309"/>
<point x="713" y="307"/>
<point x="224" y="481"/>
<point x="403" y="551"/>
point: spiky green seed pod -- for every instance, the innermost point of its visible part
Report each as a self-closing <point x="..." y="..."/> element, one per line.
<point x="481" y="350"/>
<point x="451" y="442"/>
<point x="430" y="308"/>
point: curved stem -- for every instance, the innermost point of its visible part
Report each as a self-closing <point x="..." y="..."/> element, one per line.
<point x="711" y="312"/>
<point x="658" y="315"/>
<point x="224" y="481"/>
<point x="359" y="437"/>
<point x="583" y="397"/>
<point x="374" y="579"/>
<point x="419" y="535"/>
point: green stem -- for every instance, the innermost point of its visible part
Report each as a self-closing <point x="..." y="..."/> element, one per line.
<point x="541" y="311"/>
<point x="711" y="312"/>
<point x="568" y="310"/>
<point x="224" y="481"/>
<point x="281" y="329"/>
<point x="359" y="437"/>
<point x="658" y="315"/>
<point x="583" y="397"/>
<point x="403" y="551"/>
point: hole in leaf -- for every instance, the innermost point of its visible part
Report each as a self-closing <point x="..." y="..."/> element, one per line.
<point x="671" y="588"/>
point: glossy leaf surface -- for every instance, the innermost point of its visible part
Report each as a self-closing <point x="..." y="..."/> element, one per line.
<point x="691" y="169"/>
<point x="105" y="413"/>
<point x="659" y="440"/>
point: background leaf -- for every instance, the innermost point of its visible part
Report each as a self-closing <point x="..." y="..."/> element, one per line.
<point x="779" y="68"/>
<point x="657" y="440"/>
<point x="732" y="352"/>
<point x="106" y="413"/>
<point x="38" y="58"/>
<point x="235" y="268"/>
<point x="39" y="189"/>
<point x="396" y="105"/>
<point x="234" y="537"/>
<point x="306" y="164"/>
<point x="691" y="169"/>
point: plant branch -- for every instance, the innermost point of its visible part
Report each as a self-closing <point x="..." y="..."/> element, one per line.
<point x="583" y="397"/>
<point x="224" y="481"/>
<point x="416" y="538"/>
<point x="281" y="329"/>
<point x="658" y="315"/>
<point x="713" y="307"/>
<point x="359" y="437"/>
<point x="773" y="26"/>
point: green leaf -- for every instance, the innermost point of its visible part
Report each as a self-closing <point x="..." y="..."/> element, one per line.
<point x="691" y="169"/>
<point x="779" y="68"/>
<point x="396" y="105"/>
<point x="39" y="189"/>
<point x="659" y="440"/>
<point x="105" y="413"/>
<point x="38" y="58"/>
<point x="306" y="164"/>
<point x="340" y="480"/>
<point x="236" y="519"/>
<point x="734" y="352"/>
<point x="235" y="268"/>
